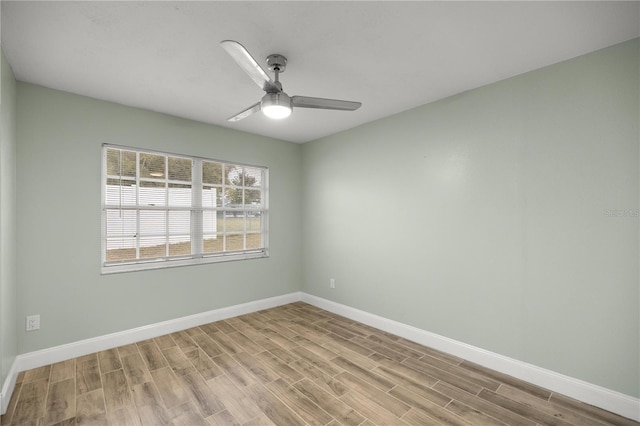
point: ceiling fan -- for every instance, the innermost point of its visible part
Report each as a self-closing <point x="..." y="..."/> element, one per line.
<point x="276" y="103"/>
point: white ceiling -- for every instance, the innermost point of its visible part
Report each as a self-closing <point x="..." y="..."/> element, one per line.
<point x="391" y="56"/>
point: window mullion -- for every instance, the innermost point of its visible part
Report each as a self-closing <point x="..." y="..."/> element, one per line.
<point x="264" y="194"/>
<point x="224" y="213"/>
<point x="137" y="235"/>
<point x="245" y="215"/>
<point x="167" y="239"/>
<point x="197" y="222"/>
<point x="166" y="203"/>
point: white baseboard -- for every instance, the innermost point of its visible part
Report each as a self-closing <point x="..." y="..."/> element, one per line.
<point x="83" y="347"/>
<point x="589" y="393"/>
<point x="598" y="396"/>
<point x="7" y="387"/>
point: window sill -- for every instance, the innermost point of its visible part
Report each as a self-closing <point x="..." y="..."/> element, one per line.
<point x="174" y="263"/>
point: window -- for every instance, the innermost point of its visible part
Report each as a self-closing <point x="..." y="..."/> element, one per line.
<point x="162" y="210"/>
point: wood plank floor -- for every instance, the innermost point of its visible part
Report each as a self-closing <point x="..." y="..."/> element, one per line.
<point x="291" y="365"/>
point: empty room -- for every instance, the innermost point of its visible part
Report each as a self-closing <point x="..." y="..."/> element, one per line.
<point x="320" y="213"/>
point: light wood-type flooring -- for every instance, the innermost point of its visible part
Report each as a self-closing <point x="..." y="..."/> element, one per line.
<point x="291" y="365"/>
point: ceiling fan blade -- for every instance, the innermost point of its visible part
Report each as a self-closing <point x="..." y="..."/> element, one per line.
<point x="245" y="113"/>
<point x="322" y="103"/>
<point x="249" y="65"/>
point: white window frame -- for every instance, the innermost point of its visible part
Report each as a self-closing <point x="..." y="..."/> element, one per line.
<point x="197" y="234"/>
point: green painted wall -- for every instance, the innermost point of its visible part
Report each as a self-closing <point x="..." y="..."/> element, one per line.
<point x="59" y="163"/>
<point x="505" y="217"/>
<point x="8" y="281"/>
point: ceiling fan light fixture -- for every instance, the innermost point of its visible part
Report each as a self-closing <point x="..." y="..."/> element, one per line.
<point x="276" y="105"/>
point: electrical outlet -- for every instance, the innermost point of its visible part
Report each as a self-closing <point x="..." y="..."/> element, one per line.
<point x="33" y="322"/>
<point x="332" y="283"/>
